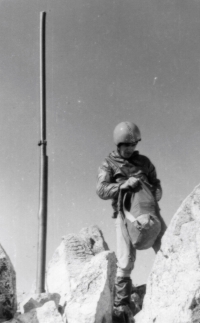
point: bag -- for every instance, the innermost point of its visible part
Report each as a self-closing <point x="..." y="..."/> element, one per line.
<point x="138" y="210"/>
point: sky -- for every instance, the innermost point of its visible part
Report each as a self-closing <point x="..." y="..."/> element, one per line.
<point x="107" y="61"/>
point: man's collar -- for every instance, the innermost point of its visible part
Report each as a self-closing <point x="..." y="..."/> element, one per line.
<point x="117" y="156"/>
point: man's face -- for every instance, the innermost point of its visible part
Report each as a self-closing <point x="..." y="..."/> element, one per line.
<point x="126" y="149"/>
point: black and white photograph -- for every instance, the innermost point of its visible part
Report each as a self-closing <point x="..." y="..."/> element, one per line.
<point x="100" y="161"/>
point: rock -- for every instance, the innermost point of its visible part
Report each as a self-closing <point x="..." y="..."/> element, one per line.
<point x="94" y="239"/>
<point x="8" y="299"/>
<point x="70" y="258"/>
<point x="21" y="295"/>
<point x="91" y="298"/>
<point x="38" y="300"/>
<point x="173" y="287"/>
<point x="48" y="313"/>
<point x="82" y="271"/>
<point x="137" y="296"/>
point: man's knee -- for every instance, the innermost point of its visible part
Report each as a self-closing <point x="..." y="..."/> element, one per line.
<point x="125" y="268"/>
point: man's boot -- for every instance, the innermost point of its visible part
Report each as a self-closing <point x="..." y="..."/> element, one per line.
<point x="123" y="288"/>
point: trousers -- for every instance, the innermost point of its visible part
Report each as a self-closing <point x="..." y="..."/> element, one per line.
<point x="126" y="255"/>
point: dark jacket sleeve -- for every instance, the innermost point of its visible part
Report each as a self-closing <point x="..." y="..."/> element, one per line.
<point x="154" y="181"/>
<point x="106" y="187"/>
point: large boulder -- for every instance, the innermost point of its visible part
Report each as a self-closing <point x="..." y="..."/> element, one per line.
<point x="82" y="271"/>
<point x="70" y="258"/>
<point x="91" y="298"/>
<point x="8" y="300"/>
<point x="173" y="287"/>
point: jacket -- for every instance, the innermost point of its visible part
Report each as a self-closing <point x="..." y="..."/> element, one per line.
<point x="115" y="170"/>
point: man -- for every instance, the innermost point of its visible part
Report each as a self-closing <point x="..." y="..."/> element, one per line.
<point x="121" y="178"/>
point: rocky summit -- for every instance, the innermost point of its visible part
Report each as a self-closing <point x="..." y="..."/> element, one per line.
<point x="81" y="274"/>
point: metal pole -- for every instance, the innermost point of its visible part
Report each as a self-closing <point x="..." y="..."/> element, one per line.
<point x="42" y="215"/>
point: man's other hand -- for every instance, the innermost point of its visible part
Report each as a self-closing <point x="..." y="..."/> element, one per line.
<point x="132" y="182"/>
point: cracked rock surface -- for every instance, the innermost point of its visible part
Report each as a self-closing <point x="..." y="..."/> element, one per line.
<point x="173" y="287"/>
<point x="82" y="271"/>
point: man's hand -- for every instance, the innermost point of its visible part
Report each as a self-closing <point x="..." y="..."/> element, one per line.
<point x="132" y="182"/>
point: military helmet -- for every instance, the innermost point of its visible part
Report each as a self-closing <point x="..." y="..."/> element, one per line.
<point x="126" y="132"/>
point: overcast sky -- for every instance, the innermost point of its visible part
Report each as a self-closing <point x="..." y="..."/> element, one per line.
<point x="107" y="61"/>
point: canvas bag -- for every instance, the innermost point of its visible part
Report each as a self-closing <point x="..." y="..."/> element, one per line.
<point x="138" y="211"/>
